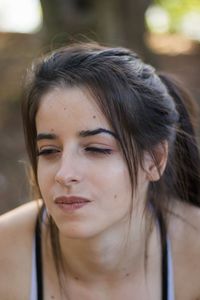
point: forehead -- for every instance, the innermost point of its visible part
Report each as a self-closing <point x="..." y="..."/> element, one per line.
<point x="69" y="106"/>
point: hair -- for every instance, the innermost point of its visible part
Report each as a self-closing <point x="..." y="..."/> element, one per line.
<point x="143" y="108"/>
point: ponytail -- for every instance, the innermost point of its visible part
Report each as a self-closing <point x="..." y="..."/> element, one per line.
<point x="183" y="170"/>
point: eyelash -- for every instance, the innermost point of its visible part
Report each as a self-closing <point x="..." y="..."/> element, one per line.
<point x="94" y="150"/>
<point x="98" y="150"/>
<point x="47" y="152"/>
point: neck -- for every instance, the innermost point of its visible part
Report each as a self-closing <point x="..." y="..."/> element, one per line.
<point x="110" y="256"/>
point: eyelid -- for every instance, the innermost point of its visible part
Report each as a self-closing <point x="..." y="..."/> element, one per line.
<point x="98" y="150"/>
<point x="44" y="146"/>
<point x="99" y="143"/>
<point x="49" y="148"/>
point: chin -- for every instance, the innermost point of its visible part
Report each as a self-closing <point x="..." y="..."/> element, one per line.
<point x="77" y="231"/>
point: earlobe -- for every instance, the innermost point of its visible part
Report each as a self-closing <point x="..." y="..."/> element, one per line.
<point x="155" y="162"/>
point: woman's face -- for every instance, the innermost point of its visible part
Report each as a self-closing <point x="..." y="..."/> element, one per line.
<point x="82" y="175"/>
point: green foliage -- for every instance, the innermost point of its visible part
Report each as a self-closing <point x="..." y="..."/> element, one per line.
<point x="177" y="9"/>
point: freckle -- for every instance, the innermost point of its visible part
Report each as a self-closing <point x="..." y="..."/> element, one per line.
<point x="52" y="130"/>
<point x="65" y="108"/>
<point x="76" y="278"/>
<point x="94" y="117"/>
<point x="127" y="274"/>
<point x="52" y="297"/>
<point x="115" y="196"/>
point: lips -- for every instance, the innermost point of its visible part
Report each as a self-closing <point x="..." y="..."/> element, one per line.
<point x="70" y="204"/>
<point x="71" y="200"/>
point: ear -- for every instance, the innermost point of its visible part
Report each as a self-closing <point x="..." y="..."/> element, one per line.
<point x="155" y="162"/>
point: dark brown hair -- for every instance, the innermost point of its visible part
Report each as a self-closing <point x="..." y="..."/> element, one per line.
<point x="143" y="108"/>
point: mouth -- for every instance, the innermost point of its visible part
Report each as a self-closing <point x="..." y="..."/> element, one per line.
<point x="71" y="203"/>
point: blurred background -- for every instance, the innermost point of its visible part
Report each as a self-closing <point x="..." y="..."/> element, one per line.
<point x="165" y="33"/>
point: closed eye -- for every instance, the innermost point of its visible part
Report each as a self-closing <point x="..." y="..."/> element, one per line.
<point x="47" y="152"/>
<point x="98" y="150"/>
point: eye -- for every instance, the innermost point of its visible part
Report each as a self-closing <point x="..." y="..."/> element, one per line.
<point x="97" y="150"/>
<point x="48" y="152"/>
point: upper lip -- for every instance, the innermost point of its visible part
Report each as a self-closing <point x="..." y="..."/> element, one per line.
<point x="70" y="200"/>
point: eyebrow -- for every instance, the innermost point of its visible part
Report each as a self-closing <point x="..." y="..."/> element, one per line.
<point x="46" y="136"/>
<point x="83" y="133"/>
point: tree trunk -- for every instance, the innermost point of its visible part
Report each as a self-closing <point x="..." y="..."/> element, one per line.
<point x="111" y="22"/>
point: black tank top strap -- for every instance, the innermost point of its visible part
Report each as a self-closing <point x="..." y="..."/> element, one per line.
<point x="164" y="257"/>
<point x="38" y="251"/>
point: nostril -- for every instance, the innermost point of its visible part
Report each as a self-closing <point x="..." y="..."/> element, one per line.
<point x="68" y="172"/>
<point x="66" y="180"/>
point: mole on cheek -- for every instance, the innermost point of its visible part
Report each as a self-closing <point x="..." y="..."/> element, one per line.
<point x="94" y="117"/>
<point x="65" y="108"/>
<point x="76" y="278"/>
<point x="115" y="196"/>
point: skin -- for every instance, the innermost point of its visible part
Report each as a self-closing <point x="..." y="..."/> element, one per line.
<point x="75" y="168"/>
<point x="103" y="256"/>
<point x="93" y="237"/>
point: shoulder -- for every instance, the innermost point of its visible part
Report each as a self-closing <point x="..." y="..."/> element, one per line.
<point x="184" y="232"/>
<point x="17" y="225"/>
<point x="16" y="237"/>
<point x="184" y="224"/>
<point x="184" y="217"/>
<point x="24" y="214"/>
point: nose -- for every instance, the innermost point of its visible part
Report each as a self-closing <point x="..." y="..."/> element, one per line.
<point x="69" y="171"/>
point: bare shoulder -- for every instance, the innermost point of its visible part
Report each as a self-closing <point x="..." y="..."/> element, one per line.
<point x="185" y="222"/>
<point x="184" y="231"/>
<point x="16" y="229"/>
<point x="24" y="214"/>
<point x="16" y="237"/>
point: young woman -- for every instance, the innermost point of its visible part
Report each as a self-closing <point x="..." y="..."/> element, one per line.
<point x="116" y="165"/>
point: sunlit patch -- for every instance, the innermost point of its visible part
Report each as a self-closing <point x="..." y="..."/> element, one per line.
<point x="157" y="19"/>
<point x="23" y="16"/>
<point x="169" y="17"/>
<point x="190" y="25"/>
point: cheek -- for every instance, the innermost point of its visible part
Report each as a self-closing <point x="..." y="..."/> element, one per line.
<point x="116" y="184"/>
<point x="43" y="185"/>
<point x="45" y="179"/>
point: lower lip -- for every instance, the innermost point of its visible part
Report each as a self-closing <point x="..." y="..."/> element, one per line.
<point x="72" y="206"/>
